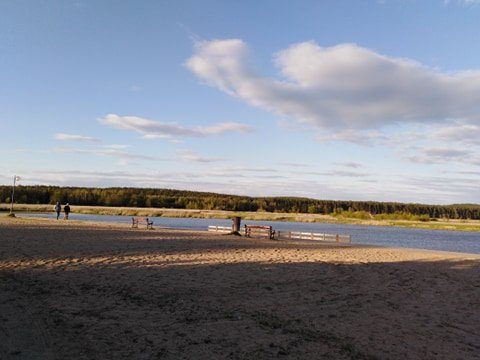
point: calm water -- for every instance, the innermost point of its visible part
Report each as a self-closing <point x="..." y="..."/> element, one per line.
<point x="467" y="242"/>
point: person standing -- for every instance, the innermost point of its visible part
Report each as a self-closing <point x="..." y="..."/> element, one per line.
<point x="66" y="209"/>
<point x="58" y="209"/>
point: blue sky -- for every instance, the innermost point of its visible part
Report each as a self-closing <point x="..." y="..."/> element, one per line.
<point x="360" y="100"/>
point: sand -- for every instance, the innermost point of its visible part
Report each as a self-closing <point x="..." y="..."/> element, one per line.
<point x="75" y="290"/>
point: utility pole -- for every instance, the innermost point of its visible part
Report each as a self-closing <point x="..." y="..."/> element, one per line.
<point x="15" y="179"/>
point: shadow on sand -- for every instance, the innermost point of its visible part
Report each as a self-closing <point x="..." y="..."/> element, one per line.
<point x="62" y="296"/>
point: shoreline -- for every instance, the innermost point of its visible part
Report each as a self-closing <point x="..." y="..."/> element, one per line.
<point x="94" y="288"/>
<point x="437" y="224"/>
<point x="125" y="226"/>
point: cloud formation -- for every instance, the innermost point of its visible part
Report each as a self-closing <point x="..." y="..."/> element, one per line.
<point x="463" y="2"/>
<point x="72" y="137"/>
<point x="106" y="152"/>
<point x="467" y="134"/>
<point x="190" y="156"/>
<point x="359" y="137"/>
<point x="441" y="155"/>
<point x="340" y="87"/>
<point x="151" y="129"/>
<point x="349" y="164"/>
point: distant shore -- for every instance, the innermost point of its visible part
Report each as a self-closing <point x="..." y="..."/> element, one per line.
<point x="434" y="224"/>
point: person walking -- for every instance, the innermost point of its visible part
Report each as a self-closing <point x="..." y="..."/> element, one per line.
<point x="58" y="209"/>
<point x="66" y="209"/>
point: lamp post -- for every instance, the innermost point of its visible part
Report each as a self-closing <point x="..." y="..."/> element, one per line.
<point x="15" y="179"/>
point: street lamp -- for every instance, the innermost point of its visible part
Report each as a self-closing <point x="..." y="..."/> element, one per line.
<point x="15" y="179"/>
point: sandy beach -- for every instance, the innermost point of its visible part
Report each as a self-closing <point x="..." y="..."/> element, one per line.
<point x="75" y="290"/>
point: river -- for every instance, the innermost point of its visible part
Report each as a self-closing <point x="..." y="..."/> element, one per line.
<point x="457" y="241"/>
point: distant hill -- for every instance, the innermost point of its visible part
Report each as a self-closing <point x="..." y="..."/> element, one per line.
<point x="182" y="199"/>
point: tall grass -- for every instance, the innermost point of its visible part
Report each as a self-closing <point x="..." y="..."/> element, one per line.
<point x="365" y="215"/>
<point x="361" y="215"/>
<point x="403" y="216"/>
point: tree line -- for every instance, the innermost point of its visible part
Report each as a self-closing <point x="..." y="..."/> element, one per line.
<point x="181" y="199"/>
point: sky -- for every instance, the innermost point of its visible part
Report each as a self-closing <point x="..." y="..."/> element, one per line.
<point x="346" y="100"/>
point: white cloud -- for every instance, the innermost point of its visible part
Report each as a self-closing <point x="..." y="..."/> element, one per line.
<point x="355" y="136"/>
<point x="340" y="87"/>
<point x="446" y="187"/>
<point x="72" y="137"/>
<point x="117" y="146"/>
<point x="446" y="153"/>
<point x="467" y="134"/>
<point x="440" y="155"/>
<point x="106" y="152"/>
<point x="150" y="129"/>
<point x="463" y="2"/>
<point x="295" y="165"/>
<point x="187" y="155"/>
<point x="336" y="173"/>
<point x="473" y="173"/>
<point x="349" y="164"/>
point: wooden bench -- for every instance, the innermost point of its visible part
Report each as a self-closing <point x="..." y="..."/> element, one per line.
<point x="259" y="230"/>
<point x="145" y="221"/>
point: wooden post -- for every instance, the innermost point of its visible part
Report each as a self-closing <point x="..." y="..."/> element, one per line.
<point x="338" y="238"/>
<point x="236" y="224"/>
<point x="15" y="178"/>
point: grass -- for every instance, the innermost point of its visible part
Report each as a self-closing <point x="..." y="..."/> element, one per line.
<point x="346" y="217"/>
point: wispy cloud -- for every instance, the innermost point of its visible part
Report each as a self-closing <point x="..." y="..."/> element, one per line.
<point x="187" y="155"/>
<point x="336" y="173"/>
<point x="462" y="2"/>
<point x="341" y="87"/>
<point x="359" y="137"/>
<point x="349" y="164"/>
<point x="453" y="187"/>
<point x="105" y="152"/>
<point x="116" y="146"/>
<point x="74" y="137"/>
<point x="440" y="155"/>
<point x="151" y="129"/>
<point x="289" y="164"/>
<point x="466" y="134"/>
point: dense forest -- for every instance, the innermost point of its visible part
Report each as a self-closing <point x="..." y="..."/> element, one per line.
<point x="179" y="199"/>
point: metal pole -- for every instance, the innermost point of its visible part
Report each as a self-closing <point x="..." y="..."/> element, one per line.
<point x="13" y="193"/>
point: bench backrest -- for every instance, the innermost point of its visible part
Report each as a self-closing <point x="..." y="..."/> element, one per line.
<point x="259" y="230"/>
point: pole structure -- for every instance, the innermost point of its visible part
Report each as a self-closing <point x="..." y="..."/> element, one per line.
<point x="13" y="193"/>
<point x="15" y="179"/>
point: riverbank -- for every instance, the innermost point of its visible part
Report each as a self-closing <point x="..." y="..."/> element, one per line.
<point x="87" y="290"/>
<point x="437" y="224"/>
